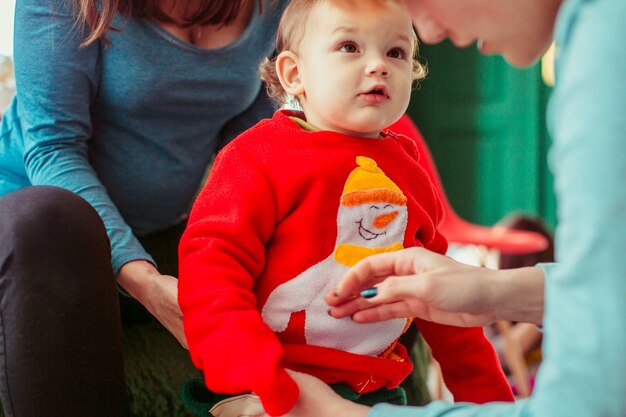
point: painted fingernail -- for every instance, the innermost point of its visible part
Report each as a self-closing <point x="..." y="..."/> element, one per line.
<point x="369" y="293"/>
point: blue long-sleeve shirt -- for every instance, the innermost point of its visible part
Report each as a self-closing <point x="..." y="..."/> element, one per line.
<point x="130" y="127"/>
<point x="584" y="369"/>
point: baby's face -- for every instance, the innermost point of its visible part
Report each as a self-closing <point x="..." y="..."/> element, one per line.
<point x="355" y="65"/>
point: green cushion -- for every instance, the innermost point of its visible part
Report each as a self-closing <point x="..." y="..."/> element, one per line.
<point x="156" y="367"/>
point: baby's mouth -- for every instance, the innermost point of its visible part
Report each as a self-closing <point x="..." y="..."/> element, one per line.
<point x="378" y="90"/>
<point x="375" y="96"/>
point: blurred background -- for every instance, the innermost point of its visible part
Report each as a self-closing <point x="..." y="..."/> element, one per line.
<point x="6" y="27"/>
<point x="7" y="83"/>
<point x="484" y="122"/>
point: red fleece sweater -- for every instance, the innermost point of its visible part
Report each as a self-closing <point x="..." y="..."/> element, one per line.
<point x="284" y="213"/>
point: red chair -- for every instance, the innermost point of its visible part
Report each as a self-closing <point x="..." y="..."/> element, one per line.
<point x="459" y="231"/>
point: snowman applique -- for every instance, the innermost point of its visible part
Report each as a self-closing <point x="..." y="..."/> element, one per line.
<point x="372" y="219"/>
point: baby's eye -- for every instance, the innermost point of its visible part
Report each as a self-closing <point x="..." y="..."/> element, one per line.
<point x="349" y="47"/>
<point x="397" y="53"/>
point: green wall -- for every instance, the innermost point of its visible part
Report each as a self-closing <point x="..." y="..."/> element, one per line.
<point x="485" y="124"/>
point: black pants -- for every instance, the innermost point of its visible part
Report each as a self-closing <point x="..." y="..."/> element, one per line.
<point x="60" y="327"/>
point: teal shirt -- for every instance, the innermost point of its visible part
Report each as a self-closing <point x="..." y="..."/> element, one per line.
<point x="584" y="369"/>
<point x="132" y="126"/>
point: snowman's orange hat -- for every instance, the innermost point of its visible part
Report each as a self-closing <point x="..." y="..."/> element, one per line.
<point x="367" y="183"/>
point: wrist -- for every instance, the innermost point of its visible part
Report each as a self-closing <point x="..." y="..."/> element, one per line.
<point x="519" y="295"/>
<point x="136" y="277"/>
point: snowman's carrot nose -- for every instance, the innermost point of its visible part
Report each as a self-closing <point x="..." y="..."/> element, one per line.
<point x="384" y="219"/>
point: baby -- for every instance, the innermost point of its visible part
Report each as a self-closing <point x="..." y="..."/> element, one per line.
<point x="296" y="200"/>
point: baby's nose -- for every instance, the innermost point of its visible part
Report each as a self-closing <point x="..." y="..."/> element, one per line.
<point x="384" y="219"/>
<point x="377" y="66"/>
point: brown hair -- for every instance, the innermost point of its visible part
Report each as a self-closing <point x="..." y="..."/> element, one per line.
<point x="290" y="33"/>
<point x="98" y="19"/>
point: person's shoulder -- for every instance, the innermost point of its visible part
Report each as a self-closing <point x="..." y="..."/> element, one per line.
<point x="602" y="17"/>
<point x="585" y="35"/>
<point x="266" y="135"/>
<point x="406" y="143"/>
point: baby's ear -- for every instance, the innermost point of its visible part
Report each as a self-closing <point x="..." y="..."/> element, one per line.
<point x="288" y="73"/>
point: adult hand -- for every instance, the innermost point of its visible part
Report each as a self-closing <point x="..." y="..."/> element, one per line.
<point x="158" y="293"/>
<point x="418" y="283"/>
<point x="317" y="399"/>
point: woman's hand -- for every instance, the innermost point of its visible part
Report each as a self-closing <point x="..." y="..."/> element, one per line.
<point x="158" y="293"/>
<point x="317" y="399"/>
<point x="418" y="283"/>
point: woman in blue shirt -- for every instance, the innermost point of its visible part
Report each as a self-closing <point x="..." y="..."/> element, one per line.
<point x="580" y="300"/>
<point x="124" y="104"/>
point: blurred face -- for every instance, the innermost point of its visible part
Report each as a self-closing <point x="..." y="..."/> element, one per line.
<point x="519" y="30"/>
<point x="355" y="65"/>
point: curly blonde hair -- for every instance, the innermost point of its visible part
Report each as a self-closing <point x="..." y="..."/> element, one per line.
<point x="290" y="33"/>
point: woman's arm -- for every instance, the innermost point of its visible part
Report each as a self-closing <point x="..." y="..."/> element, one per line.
<point x="57" y="81"/>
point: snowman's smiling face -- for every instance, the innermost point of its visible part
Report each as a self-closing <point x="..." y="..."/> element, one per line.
<point x="367" y="234"/>
<point x="372" y="224"/>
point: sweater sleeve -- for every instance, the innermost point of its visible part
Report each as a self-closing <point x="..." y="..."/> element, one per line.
<point x="408" y="140"/>
<point x="438" y="243"/>
<point x="469" y="363"/>
<point x="57" y="81"/>
<point x="221" y="253"/>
